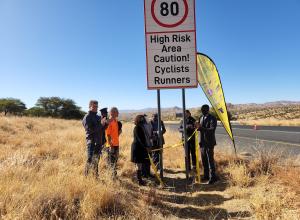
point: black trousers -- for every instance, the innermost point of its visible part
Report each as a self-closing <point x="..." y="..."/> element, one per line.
<point x="208" y="162"/>
<point x="93" y="155"/>
<point x="146" y="168"/>
<point x="191" y="153"/>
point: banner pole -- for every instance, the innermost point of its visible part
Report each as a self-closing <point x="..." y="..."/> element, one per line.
<point x="184" y="136"/>
<point x="233" y="141"/>
<point x="160" y="136"/>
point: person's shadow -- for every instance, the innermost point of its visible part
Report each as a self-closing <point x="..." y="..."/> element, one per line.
<point x="189" y="200"/>
<point x="174" y="182"/>
<point x="185" y="199"/>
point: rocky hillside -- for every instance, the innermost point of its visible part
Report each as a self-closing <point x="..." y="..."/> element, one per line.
<point x="281" y="110"/>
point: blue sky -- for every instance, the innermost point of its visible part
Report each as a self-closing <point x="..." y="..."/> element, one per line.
<point x="95" y="49"/>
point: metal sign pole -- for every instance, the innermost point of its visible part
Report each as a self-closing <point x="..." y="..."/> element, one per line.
<point x="160" y="136"/>
<point x="184" y="136"/>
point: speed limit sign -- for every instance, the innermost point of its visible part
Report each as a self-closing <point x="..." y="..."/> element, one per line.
<point x="167" y="15"/>
<point x="170" y="43"/>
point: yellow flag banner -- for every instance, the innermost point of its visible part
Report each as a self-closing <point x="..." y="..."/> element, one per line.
<point x="209" y="80"/>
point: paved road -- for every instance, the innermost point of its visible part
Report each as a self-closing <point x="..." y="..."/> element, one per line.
<point x="284" y="140"/>
<point x="287" y="135"/>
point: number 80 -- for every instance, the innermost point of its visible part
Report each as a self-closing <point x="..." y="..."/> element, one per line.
<point x="164" y="8"/>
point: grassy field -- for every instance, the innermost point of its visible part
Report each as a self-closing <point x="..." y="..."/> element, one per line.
<point x="41" y="170"/>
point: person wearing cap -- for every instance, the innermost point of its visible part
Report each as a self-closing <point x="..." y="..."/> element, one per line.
<point x="112" y="134"/>
<point x="207" y="126"/>
<point x="103" y="116"/>
<point x="94" y="127"/>
<point x="190" y="128"/>
<point x="155" y="138"/>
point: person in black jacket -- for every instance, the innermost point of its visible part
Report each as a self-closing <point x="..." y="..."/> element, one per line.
<point x="139" y="153"/>
<point x="104" y="115"/>
<point x="190" y="128"/>
<point x="93" y="126"/>
<point x="155" y="139"/>
<point x="148" y="131"/>
<point x="207" y="127"/>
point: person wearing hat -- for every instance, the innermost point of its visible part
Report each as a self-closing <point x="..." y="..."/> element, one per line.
<point x="207" y="126"/>
<point x="103" y="116"/>
<point x="155" y="138"/>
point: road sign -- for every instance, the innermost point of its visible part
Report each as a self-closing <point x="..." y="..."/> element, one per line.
<point x="170" y="43"/>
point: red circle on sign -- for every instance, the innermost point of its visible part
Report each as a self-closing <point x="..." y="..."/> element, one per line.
<point x="186" y="8"/>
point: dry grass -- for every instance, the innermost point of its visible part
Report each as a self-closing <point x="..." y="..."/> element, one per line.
<point x="260" y="182"/>
<point x="41" y="169"/>
<point x="271" y="122"/>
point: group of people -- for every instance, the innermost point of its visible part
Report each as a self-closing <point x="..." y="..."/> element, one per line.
<point x="146" y="144"/>
<point x="206" y="127"/>
<point x="102" y="132"/>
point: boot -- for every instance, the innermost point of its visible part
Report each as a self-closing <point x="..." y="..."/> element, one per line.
<point x="139" y="177"/>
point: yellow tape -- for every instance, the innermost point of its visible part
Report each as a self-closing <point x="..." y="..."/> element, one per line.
<point x="197" y="157"/>
<point x="155" y="170"/>
<point x="175" y="145"/>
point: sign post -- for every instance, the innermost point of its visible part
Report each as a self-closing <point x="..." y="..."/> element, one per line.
<point x="170" y="34"/>
<point x="160" y="136"/>
<point x="185" y="137"/>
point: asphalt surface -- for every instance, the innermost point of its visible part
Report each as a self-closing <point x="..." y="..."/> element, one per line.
<point x="282" y="140"/>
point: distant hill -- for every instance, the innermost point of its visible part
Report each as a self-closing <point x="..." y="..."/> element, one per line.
<point x="282" y="110"/>
<point x="167" y="113"/>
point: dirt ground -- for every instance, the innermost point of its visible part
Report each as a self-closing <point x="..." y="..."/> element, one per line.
<point x="182" y="199"/>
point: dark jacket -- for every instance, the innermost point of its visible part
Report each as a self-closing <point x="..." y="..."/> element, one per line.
<point x="207" y="130"/>
<point x="138" y="146"/>
<point x="154" y="124"/>
<point x="92" y="125"/>
<point x="190" y="128"/>
<point x="102" y="132"/>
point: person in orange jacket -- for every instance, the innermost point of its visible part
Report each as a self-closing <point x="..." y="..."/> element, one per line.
<point x="112" y="133"/>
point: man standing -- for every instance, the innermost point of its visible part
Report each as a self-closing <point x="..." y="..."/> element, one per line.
<point x="155" y="138"/>
<point x="93" y="126"/>
<point x="190" y="128"/>
<point x="207" y="127"/>
<point x="112" y="133"/>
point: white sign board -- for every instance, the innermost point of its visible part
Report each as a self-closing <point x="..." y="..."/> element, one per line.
<point x="170" y="43"/>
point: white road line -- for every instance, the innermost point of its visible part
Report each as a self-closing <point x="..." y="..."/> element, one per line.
<point x="267" y="130"/>
<point x="277" y="142"/>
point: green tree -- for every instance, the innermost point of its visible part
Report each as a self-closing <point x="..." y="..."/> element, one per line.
<point x="69" y="110"/>
<point x="12" y="106"/>
<point x="36" y="112"/>
<point x="59" y="108"/>
<point x="51" y="105"/>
